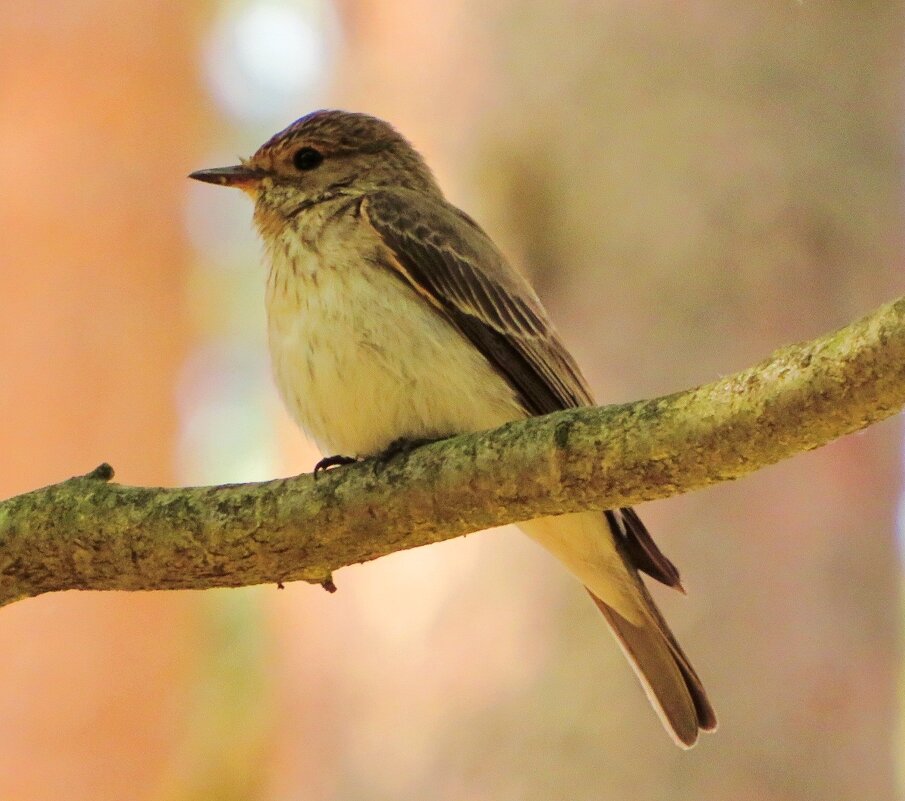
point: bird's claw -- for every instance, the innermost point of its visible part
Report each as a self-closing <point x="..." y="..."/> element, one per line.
<point x="332" y="461"/>
<point x="403" y="445"/>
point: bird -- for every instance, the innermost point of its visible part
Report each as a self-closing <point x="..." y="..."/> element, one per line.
<point x="393" y="318"/>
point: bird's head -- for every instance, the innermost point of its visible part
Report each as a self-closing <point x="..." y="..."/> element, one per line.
<point x="323" y="155"/>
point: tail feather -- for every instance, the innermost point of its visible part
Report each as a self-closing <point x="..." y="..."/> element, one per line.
<point x="667" y="676"/>
<point x="706" y="715"/>
<point x="603" y="558"/>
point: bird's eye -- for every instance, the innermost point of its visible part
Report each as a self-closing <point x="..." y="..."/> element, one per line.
<point x="307" y="158"/>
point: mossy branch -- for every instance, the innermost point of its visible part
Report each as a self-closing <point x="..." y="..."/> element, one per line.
<point x="89" y="533"/>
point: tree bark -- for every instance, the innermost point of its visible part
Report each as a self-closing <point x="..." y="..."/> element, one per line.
<point x="87" y="533"/>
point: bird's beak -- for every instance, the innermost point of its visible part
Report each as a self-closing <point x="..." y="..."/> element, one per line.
<point x="240" y="176"/>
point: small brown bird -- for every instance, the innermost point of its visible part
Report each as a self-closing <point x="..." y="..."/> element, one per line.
<point x="393" y="316"/>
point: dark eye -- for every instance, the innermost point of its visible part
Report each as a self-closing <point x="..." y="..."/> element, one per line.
<point x="307" y="158"/>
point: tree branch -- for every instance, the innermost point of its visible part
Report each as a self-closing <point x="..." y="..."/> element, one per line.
<point x="88" y="533"/>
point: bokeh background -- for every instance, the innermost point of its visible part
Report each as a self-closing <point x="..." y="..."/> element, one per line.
<point x="690" y="185"/>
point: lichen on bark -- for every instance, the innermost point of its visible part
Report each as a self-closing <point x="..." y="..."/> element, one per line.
<point x="90" y="533"/>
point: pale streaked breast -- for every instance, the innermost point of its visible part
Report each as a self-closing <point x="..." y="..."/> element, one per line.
<point x="360" y="360"/>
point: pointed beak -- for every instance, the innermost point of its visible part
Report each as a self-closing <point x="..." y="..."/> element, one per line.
<point x="240" y="176"/>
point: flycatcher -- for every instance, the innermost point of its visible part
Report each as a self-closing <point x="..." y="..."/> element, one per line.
<point x="393" y="316"/>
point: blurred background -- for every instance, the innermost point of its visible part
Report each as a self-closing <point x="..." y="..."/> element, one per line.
<point x="690" y="185"/>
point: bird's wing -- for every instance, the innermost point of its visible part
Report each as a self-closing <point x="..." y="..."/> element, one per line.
<point x="444" y="256"/>
<point x="447" y="259"/>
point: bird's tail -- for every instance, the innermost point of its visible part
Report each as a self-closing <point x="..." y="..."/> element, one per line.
<point x="598" y="551"/>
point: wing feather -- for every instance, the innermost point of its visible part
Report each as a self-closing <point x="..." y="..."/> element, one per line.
<point x="446" y="257"/>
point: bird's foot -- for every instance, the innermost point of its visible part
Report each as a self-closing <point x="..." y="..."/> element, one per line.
<point x="332" y="461"/>
<point x="403" y="445"/>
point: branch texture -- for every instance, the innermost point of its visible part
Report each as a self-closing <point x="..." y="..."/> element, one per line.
<point x="89" y="533"/>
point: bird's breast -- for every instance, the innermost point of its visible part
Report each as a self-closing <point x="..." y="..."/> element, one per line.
<point x="360" y="360"/>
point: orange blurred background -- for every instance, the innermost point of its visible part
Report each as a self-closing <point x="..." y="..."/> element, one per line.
<point x="689" y="184"/>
